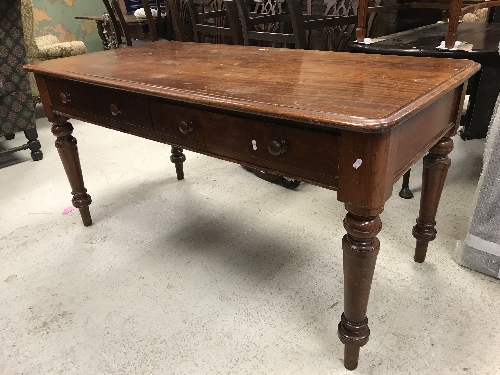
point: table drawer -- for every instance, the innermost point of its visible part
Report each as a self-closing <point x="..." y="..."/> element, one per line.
<point x="107" y="104"/>
<point x="306" y="152"/>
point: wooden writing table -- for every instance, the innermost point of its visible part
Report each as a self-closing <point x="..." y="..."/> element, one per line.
<point x="347" y="122"/>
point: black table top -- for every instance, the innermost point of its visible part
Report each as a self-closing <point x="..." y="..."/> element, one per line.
<point x="484" y="38"/>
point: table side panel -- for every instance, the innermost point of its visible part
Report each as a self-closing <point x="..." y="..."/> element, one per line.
<point x="310" y="154"/>
<point x="419" y="133"/>
<point x="371" y="163"/>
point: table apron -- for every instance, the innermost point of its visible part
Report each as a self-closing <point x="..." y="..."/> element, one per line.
<point x="310" y="155"/>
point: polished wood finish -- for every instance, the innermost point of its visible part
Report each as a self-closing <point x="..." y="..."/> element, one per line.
<point x="202" y="129"/>
<point x="436" y="165"/>
<point x="68" y="152"/>
<point x="361" y="248"/>
<point x="341" y="121"/>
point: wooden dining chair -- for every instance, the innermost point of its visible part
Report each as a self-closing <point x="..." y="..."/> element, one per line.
<point x="158" y="26"/>
<point x="215" y="21"/>
<point x="120" y="28"/>
<point x="301" y="24"/>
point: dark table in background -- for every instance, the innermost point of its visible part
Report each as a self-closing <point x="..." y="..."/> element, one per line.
<point x="485" y="85"/>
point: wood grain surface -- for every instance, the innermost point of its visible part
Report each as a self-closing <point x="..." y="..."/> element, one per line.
<point x="368" y="93"/>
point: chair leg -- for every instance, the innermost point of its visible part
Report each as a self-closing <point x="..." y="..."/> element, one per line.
<point x="9" y="136"/>
<point x="34" y="144"/>
<point x="405" y="191"/>
<point x="275" y="179"/>
<point x="178" y="158"/>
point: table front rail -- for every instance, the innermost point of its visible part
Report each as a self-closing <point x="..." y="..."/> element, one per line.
<point x="302" y="153"/>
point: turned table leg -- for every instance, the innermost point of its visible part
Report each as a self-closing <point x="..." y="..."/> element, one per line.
<point x="178" y="158"/>
<point x="68" y="152"/>
<point x="361" y="247"/>
<point x="436" y="164"/>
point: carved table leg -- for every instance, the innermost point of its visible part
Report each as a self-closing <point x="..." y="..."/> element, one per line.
<point x="178" y="158"/>
<point x="436" y="164"/>
<point x="361" y="247"/>
<point x="68" y="152"/>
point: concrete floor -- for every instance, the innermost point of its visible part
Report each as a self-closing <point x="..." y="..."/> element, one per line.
<point x="222" y="273"/>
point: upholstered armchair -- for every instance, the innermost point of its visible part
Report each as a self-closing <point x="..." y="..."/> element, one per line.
<point x="16" y="102"/>
<point x="44" y="47"/>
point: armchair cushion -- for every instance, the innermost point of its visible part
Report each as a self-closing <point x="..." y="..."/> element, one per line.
<point x="480" y="15"/>
<point x="45" y="47"/>
<point x="45" y="40"/>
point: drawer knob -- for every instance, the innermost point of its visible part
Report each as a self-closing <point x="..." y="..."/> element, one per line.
<point x="277" y="147"/>
<point x="186" y="126"/>
<point x="65" y="97"/>
<point x="115" y="111"/>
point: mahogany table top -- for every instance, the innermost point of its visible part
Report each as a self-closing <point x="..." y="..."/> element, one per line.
<point x="323" y="89"/>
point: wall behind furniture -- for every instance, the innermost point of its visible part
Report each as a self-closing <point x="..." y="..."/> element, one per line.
<point x="57" y="17"/>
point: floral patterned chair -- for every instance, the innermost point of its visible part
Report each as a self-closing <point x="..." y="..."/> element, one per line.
<point x="16" y="103"/>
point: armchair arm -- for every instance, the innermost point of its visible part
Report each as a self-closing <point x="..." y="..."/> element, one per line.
<point x="64" y="49"/>
<point x="46" y="40"/>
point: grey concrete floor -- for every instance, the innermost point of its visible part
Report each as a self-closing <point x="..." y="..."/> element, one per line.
<point x="222" y="273"/>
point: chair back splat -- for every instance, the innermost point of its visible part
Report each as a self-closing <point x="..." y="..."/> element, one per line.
<point x="158" y="26"/>
<point x="218" y="24"/>
<point x="293" y="27"/>
<point x="118" y="22"/>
